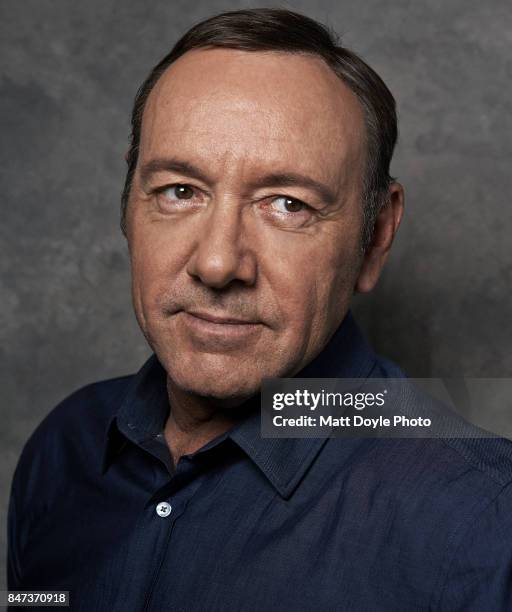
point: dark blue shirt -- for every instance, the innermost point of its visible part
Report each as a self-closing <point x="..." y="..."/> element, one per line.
<point x="250" y="523"/>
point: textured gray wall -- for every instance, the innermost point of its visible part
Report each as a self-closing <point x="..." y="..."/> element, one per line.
<point x="68" y="74"/>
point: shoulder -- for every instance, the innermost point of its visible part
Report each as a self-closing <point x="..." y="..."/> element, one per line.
<point x="478" y="563"/>
<point x="448" y="501"/>
<point x="465" y="465"/>
<point x="73" y="428"/>
<point x="438" y="486"/>
<point x="474" y="450"/>
<point x="425" y="476"/>
<point x="88" y="407"/>
<point x="62" y="455"/>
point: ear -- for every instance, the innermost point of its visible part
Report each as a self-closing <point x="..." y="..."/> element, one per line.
<point x="386" y="226"/>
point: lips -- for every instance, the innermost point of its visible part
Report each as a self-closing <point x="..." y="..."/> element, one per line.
<point x="216" y="333"/>
<point x="225" y="320"/>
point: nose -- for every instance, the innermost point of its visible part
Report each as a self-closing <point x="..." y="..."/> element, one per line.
<point x="222" y="253"/>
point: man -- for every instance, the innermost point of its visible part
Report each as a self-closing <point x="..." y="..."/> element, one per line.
<point x="257" y="201"/>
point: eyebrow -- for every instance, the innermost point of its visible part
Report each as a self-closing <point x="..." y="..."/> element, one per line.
<point x="274" y="179"/>
<point x="294" y="179"/>
<point x="172" y="165"/>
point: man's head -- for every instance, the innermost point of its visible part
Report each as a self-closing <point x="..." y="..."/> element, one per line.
<point x="258" y="192"/>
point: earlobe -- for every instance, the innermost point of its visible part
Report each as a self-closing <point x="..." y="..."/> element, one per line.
<point x="386" y="225"/>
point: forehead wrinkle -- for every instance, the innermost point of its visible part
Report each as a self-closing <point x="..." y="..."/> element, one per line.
<point x="220" y="147"/>
<point x="239" y="168"/>
<point x="265" y="121"/>
<point x="220" y="117"/>
<point x="297" y="87"/>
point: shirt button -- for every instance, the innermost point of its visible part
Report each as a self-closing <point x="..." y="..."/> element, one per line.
<point x="163" y="509"/>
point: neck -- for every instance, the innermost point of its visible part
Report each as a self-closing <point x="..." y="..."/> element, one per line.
<point x="194" y="420"/>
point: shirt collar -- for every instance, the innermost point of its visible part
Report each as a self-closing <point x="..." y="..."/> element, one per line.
<point x="284" y="461"/>
<point x="141" y="414"/>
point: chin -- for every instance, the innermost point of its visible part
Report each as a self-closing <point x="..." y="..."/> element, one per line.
<point x="216" y="378"/>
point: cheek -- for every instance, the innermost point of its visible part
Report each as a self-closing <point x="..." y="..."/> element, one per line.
<point x="156" y="253"/>
<point x="152" y="263"/>
<point x="340" y="274"/>
<point x="313" y="278"/>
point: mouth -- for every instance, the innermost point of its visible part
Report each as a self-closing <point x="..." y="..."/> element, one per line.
<point x="221" y="320"/>
<point x="219" y="332"/>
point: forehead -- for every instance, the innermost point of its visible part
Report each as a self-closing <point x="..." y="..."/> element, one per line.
<point x="265" y="108"/>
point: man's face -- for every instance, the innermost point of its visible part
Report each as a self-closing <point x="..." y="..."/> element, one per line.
<point x="245" y="209"/>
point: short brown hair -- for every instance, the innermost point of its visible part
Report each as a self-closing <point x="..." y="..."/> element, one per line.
<point x="282" y="30"/>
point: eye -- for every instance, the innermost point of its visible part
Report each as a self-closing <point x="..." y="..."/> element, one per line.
<point x="286" y="205"/>
<point x="178" y="192"/>
<point x="180" y="196"/>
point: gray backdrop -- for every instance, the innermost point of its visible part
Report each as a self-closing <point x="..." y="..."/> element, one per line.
<point x="69" y="72"/>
